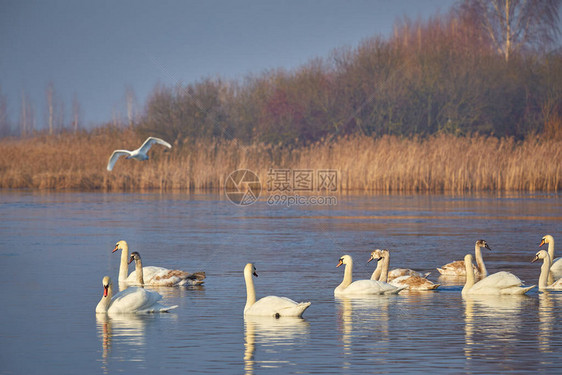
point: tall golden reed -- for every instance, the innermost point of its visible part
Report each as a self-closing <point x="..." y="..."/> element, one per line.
<point x="441" y="163"/>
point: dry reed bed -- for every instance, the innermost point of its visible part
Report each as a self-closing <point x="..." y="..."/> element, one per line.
<point x="387" y="164"/>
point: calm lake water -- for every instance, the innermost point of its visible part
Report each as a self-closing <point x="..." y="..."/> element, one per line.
<point x="56" y="247"/>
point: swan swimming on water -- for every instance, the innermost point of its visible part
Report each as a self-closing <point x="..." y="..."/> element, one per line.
<point x="457" y="268"/>
<point x="130" y="300"/>
<point x="348" y="287"/>
<point x="394" y="273"/>
<point x="157" y="276"/>
<point x="545" y="272"/>
<point x="410" y="279"/>
<point x="160" y="276"/>
<point x="271" y="305"/>
<point x="555" y="264"/>
<point x="498" y="283"/>
<point x="138" y="154"/>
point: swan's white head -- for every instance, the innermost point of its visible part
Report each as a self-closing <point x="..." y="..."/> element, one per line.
<point x="106" y="282"/>
<point x="541" y="254"/>
<point x="134" y="256"/>
<point x="121" y="245"/>
<point x="482" y="243"/>
<point x="345" y="259"/>
<point x="250" y="269"/>
<point x="378" y="254"/>
<point x="546" y="239"/>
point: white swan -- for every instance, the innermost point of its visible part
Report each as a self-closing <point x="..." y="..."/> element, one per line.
<point x="349" y="287"/>
<point x="152" y="275"/>
<point x="498" y="283"/>
<point x="160" y="276"/>
<point x="130" y="300"/>
<point x="545" y="271"/>
<point x="412" y="281"/>
<point x="271" y="305"/>
<point x="138" y="154"/>
<point x="457" y="268"/>
<point x="556" y="264"/>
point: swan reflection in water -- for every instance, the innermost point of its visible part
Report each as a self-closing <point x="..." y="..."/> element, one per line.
<point x="278" y="335"/>
<point x="361" y="314"/>
<point x="125" y="333"/>
<point x="493" y="325"/>
<point x="549" y="306"/>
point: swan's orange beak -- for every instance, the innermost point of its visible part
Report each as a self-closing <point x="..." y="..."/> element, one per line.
<point x="535" y="259"/>
<point x="131" y="259"/>
<point x="370" y="259"/>
<point x="116" y="248"/>
<point x="105" y="290"/>
<point x="339" y="263"/>
<point x="542" y="242"/>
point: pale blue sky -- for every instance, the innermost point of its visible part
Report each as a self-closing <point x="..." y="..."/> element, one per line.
<point x="95" y="49"/>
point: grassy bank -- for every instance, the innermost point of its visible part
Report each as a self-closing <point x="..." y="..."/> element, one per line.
<point x="388" y="164"/>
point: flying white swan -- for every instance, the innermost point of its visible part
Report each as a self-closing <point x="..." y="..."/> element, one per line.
<point x="160" y="276"/>
<point x="152" y="275"/>
<point x="131" y="300"/>
<point x="457" y="268"/>
<point x="498" y="283"/>
<point x="271" y="305"/>
<point x="545" y="271"/>
<point x="138" y="154"/>
<point x="556" y="264"/>
<point x="412" y="281"/>
<point x="348" y="287"/>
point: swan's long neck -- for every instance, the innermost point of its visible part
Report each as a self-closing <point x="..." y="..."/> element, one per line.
<point x="385" y="265"/>
<point x="545" y="271"/>
<point x="105" y="301"/>
<point x="347" y="275"/>
<point x="124" y="267"/>
<point x="551" y="249"/>
<point x="377" y="272"/>
<point x="551" y="255"/>
<point x="480" y="261"/>
<point x="138" y="269"/>
<point x="250" y="290"/>
<point x="469" y="275"/>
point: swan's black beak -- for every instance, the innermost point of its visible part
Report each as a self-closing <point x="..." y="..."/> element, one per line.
<point x="131" y="259"/>
<point x="255" y="274"/>
<point x="487" y="247"/>
<point x="542" y="242"/>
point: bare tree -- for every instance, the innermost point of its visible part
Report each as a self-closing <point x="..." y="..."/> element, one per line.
<point x="59" y="120"/>
<point x="75" y="112"/>
<point x="5" y="129"/>
<point x="27" y="115"/>
<point x="511" y="25"/>
<point x="23" y="114"/>
<point x="50" y="92"/>
<point x="130" y="99"/>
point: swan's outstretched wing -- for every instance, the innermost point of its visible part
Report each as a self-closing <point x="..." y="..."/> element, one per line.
<point x="150" y="141"/>
<point x="113" y="158"/>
